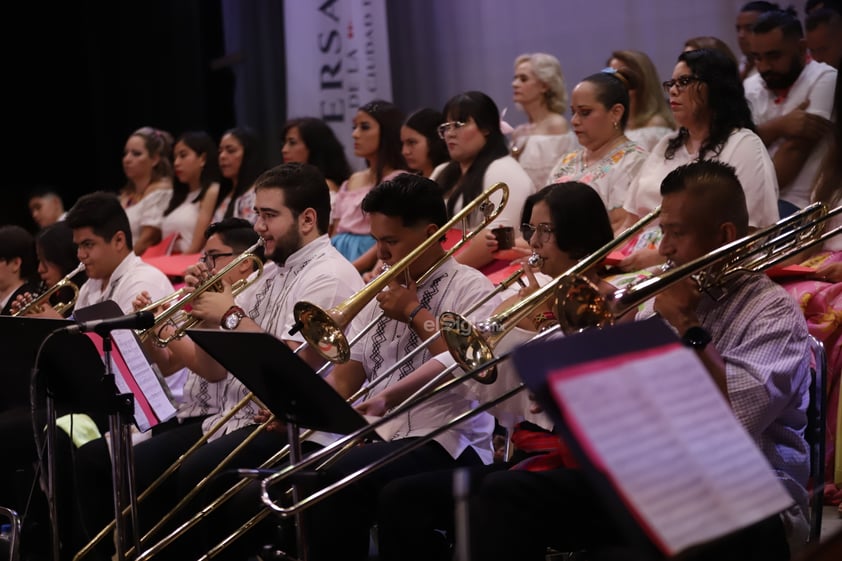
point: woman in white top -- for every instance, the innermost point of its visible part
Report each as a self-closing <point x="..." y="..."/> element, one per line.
<point x="608" y="161"/>
<point x="649" y="116"/>
<point x="148" y="188"/>
<point x="708" y="102"/>
<point x="195" y="193"/>
<point x="240" y="163"/>
<point x="538" y="88"/>
<point x="479" y="158"/>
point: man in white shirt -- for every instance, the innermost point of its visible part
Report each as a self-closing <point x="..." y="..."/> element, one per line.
<point x="791" y="101"/>
<point x="405" y="212"/>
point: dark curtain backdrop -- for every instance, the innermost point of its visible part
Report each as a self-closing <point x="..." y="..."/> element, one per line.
<point x="80" y="76"/>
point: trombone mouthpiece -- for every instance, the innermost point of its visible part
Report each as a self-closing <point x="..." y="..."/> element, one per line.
<point x="534" y="260"/>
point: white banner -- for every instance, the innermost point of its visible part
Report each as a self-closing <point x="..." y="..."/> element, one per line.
<point x="337" y="54"/>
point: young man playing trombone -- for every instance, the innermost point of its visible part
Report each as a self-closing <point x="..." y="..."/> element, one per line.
<point x="753" y="342"/>
<point x="406" y="214"/>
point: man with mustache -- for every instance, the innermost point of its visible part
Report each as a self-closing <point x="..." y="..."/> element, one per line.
<point x="791" y="101"/>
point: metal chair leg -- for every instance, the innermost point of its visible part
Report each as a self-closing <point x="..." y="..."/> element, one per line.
<point x="14" y="532"/>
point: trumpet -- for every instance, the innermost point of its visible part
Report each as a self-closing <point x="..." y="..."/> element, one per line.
<point x="472" y="346"/>
<point x="323" y="329"/>
<point x="579" y="305"/>
<point x="176" y="314"/>
<point x="63" y="308"/>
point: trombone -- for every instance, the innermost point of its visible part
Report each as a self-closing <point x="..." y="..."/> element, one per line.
<point x="179" y="300"/>
<point x="36" y="304"/>
<point x="579" y="304"/>
<point x="323" y="329"/>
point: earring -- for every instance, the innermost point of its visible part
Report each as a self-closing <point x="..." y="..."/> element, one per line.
<point x="616" y="125"/>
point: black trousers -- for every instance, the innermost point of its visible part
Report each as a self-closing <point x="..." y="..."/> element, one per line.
<point x="338" y="527"/>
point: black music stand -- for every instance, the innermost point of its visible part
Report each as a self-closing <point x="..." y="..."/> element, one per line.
<point x="285" y="384"/>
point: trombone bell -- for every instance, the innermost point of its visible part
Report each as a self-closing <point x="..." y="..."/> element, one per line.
<point x="323" y="329"/>
<point x="468" y="346"/>
<point x="579" y="305"/>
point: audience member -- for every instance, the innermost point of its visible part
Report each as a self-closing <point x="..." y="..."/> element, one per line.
<point x="45" y="205"/>
<point x="563" y="223"/>
<point x="815" y="5"/>
<point x="745" y="21"/>
<point x="195" y="193"/>
<point x="757" y="355"/>
<point x="377" y="139"/>
<point x="649" y="116"/>
<point x="308" y="140"/>
<point x="422" y="148"/>
<point x="708" y="102"/>
<point x="791" y="102"/>
<point x="608" y="160"/>
<point x="240" y="162"/>
<point x="824" y="36"/>
<point x="478" y="159"/>
<point x="18" y="265"/>
<point x="538" y="88"/>
<point x="149" y="177"/>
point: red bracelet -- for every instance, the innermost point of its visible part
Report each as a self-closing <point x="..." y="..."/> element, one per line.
<point x="541" y="318"/>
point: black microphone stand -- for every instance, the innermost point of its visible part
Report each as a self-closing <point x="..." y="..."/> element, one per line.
<point x="120" y="413"/>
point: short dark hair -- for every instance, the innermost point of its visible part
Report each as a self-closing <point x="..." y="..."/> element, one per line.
<point x="822" y="16"/>
<point x="785" y="20"/>
<point x="580" y="221"/>
<point x="103" y="214"/>
<point x="414" y="199"/>
<point x="16" y="242"/>
<point x="811" y="5"/>
<point x="55" y="245"/>
<point x="304" y="187"/>
<point x="760" y="7"/>
<point x="236" y="232"/>
<point x="715" y="189"/>
<point x="43" y="190"/>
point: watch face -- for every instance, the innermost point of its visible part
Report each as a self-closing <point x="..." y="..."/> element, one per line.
<point x="231" y="321"/>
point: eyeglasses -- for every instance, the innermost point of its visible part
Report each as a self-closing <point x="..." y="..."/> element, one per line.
<point x="209" y="259"/>
<point x="451" y="125"/>
<point x="681" y="83"/>
<point x="544" y="230"/>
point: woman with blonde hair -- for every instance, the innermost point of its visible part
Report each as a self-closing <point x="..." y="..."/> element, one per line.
<point x="650" y="118"/>
<point x="538" y="88"/>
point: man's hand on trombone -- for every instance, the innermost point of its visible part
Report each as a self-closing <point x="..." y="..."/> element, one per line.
<point x="398" y="301"/>
<point x="263" y="415"/>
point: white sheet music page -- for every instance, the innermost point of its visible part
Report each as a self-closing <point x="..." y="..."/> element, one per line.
<point x="657" y="425"/>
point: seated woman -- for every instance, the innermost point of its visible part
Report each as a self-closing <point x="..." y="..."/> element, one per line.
<point x="478" y="159"/>
<point x="708" y="102"/>
<point x="564" y="222"/>
<point x="195" y="193"/>
<point x="421" y="146"/>
<point x="649" y="116"/>
<point x="240" y="162"/>
<point x="538" y="88"/>
<point x="147" y="165"/>
<point x="607" y="161"/>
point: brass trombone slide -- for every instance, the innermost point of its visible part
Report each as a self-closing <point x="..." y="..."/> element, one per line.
<point x="323" y="330"/>
<point x="755" y="252"/>
<point x="280" y="455"/>
<point x="62" y="308"/>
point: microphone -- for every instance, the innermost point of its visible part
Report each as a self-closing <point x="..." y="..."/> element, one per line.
<point x="137" y="320"/>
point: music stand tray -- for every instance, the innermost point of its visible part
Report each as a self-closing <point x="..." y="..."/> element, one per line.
<point x="280" y="379"/>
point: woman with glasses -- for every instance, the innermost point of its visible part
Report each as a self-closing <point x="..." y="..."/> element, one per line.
<point x="709" y="105"/>
<point x="607" y="160"/>
<point x="479" y="158"/>
<point x="377" y="139"/>
<point x="538" y="89"/>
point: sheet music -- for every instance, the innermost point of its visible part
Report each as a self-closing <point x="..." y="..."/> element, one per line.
<point x="144" y="377"/>
<point x="657" y="425"/>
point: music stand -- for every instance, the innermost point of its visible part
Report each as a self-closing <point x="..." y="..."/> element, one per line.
<point x="285" y="384"/>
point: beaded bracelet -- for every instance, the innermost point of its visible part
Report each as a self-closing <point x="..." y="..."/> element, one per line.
<point x="414" y="312"/>
<point x="541" y="318"/>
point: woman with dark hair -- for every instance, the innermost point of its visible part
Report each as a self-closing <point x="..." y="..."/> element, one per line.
<point x="240" y="162"/>
<point x="479" y="158"/>
<point x="17" y="265"/>
<point x="709" y="105"/>
<point x="650" y="118"/>
<point x="422" y="147"/>
<point x="607" y="159"/>
<point x="309" y="140"/>
<point x="195" y="193"/>
<point x="377" y="139"/>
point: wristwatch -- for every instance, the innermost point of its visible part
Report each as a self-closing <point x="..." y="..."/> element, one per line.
<point x="231" y="318"/>
<point x="697" y="337"/>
